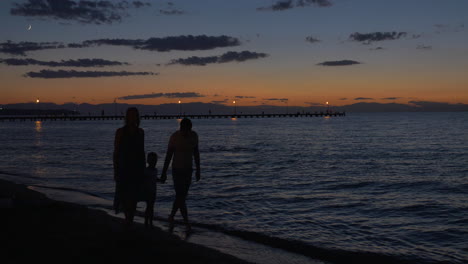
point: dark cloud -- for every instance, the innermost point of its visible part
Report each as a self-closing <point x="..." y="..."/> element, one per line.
<point x="186" y="43"/>
<point x="315" y="104"/>
<point x="226" y="57"/>
<point x="321" y="3"/>
<point x="311" y="39"/>
<point x="363" y="98"/>
<point x="112" y="42"/>
<point x="276" y="99"/>
<point x="138" y="4"/>
<point x="76" y="45"/>
<point x="159" y="95"/>
<point x="189" y="42"/>
<point x="378" y="48"/>
<point x="424" y="47"/>
<point x="220" y="102"/>
<point x="49" y="74"/>
<point x="367" y="38"/>
<point x="445" y="28"/>
<point x="63" y="63"/>
<point x="339" y="63"/>
<point x="342" y="99"/>
<point x="245" y="97"/>
<point x="83" y="11"/>
<point x="20" y="48"/>
<point x="170" y="10"/>
<point x="240" y="56"/>
<point x="438" y="106"/>
<point x="194" y="60"/>
<point x="282" y="5"/>
<point x="391" y="98"/>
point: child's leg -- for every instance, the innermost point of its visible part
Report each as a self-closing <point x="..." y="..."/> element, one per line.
<point x="149" y="213"/>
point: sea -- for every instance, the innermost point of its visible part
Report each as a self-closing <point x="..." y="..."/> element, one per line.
<point x="366" y="187"/>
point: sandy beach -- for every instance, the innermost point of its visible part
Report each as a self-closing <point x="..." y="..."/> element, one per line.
<point x="36" y="228"/>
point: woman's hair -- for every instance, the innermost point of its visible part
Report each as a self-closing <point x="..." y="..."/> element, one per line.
<point x="132" y="117"/>
<point x="186" y="124"/>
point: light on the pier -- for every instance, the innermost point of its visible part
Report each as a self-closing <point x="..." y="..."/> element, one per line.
<point x="179" y="102"/>
<point x="327" y="103"/>
<point x="37" y="100"/>
<point x="234" y="101"/>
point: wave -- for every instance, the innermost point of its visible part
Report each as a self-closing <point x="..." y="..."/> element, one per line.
<point x="233" y="149"/>
<point x="315" y="252"/>
<point x="333" y="255"/>
<point x="20" y="175"/>
<point x="68" y="189"/>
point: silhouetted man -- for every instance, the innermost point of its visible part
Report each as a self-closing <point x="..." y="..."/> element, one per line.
<point x="182" y="149"/>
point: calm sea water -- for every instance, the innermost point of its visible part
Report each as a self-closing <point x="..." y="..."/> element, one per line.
<point x="392" y="184"/>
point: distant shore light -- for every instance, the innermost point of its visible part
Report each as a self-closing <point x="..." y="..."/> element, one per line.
<point x="37" y="100"/>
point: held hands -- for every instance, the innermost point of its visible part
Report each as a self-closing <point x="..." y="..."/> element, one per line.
<point x="163" y="177"/>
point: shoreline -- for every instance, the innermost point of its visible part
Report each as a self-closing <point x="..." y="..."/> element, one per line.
<point x="36" y="228"/>
<point x="36" y="224"/>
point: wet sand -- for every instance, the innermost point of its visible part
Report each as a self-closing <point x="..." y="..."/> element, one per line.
<point x="36" y="229"/>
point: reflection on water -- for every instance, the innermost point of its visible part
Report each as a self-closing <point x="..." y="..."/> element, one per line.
<point x="40" y="172"/>
<point x="38" y="134"/>
<point x="38" y="156"/>
<point x="38" y="126"/>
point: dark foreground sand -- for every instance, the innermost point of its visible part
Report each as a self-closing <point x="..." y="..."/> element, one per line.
<point x="35" y="229"/>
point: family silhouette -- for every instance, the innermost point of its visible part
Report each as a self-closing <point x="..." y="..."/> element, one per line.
<point x="134" y="182"/>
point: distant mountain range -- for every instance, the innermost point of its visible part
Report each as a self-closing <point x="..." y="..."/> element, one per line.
<point x="205" y="108"/>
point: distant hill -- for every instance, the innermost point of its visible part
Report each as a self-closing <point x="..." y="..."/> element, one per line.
<point x="205" y="108"/>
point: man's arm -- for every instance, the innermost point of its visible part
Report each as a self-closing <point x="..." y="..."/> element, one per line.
<point x="167" y="161"/>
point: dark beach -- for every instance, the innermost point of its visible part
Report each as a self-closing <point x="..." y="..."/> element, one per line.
<point x="36" y="228"/>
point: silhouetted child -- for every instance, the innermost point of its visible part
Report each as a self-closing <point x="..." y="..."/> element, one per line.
<point x="148" y="193"/>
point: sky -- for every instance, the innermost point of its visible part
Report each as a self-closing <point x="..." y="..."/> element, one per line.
<point x="254" y="52"/>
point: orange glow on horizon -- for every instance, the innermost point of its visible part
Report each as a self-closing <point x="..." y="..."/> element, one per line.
<point x="256" y="91"/>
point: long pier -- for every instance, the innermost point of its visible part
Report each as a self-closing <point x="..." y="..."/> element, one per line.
<point x="156" y="117"/>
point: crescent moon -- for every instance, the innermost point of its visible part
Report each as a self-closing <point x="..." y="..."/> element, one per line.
<point x="29" y="28"/>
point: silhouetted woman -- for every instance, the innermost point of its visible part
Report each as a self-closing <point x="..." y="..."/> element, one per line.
<point x="129" y="164"/>
<point x="183" y="148"/>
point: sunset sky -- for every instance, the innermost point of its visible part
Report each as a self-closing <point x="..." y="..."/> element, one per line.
<point x="299" y="52"/>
